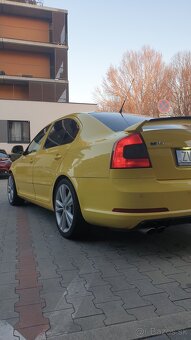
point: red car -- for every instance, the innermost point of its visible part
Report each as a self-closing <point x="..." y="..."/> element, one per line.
<point x="5" y="163"/>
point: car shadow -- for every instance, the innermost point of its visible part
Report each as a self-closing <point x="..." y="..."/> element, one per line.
<point x="174" y="239"/>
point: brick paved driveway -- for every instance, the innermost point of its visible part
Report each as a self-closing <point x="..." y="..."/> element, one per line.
<point x="109" y="285"/>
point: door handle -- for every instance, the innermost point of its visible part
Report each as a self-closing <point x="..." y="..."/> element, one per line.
<point x="58" y="156"/>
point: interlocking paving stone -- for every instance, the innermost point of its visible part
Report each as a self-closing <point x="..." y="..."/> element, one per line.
<point x="145" y="312"/>
<point x="94" y="279"/>
<point x="186" y="269"/>
<point x="164" y="265"/>
<point x="177" y="261"/>
<point x="119" y="283"/>
<point x="68" y="276"/>
<point x="83" y="306"/>
<point x="62" y="264"/>
<point x="77" y="287"/>
<point x="11" y="322"/>
<point x="146" y="287"/>
<point x="51" y="285"/>
<point x="33" y="332"/>
<point x="80" y="260"/>
<point x="7" y="309"/>
<point x="184" y="334"/>
<point x="103" y="294"/>
<point x="101" y="261"/>
<point x="163" y="304"/>
<point x="186" y="258"/>
<point x="114" y="312"/>
<point x="184" y="279"/>
<point x="122" y="264"/>
<point x="94" y="253"/>
<point x="48" y="273"/>
<point x="29" y="296"/>
<point x="132" y="299"/>
<point x="132" y="275"/>
<point x="28" y="281"/>
<point x="7" y="331"/>
<point x="174" y="291"/>
<point x="158" y="277"/>
<point x="7" y="278"/>
<point x="186" y="304"/>
<point x="45" y="264"/>
<point x="56" y="301"/>
<point x="7" y="267"/>
<point x="87" y="267"/>
<point x="107" y="270"/>
<point x="158" y="337"/>
<point x="144" y="265"/>
<point x="7" y="291"/>
<point x="30" y="315"/>
<point x="41" y="256"/>
<point x="113" y="255"/>
<point x="91" y="322"/>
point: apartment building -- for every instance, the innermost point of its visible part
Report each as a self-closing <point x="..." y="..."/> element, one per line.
<point x="34" y="87"/>
<point x="33" y="52"/>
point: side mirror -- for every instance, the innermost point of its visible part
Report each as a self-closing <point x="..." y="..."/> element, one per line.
<point x="18" y="149"/>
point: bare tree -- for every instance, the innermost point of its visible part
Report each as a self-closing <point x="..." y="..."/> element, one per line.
<point x="181" y="83"/>
<point x="142" y="77"/>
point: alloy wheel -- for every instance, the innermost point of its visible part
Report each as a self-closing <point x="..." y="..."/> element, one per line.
<point x="10" y="189"/>
<point x="64" y="208"/>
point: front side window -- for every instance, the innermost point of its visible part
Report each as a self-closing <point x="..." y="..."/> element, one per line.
<point x="35" y="144"/>
<point x="19" y="131"/>
<point x="62" y="132"/>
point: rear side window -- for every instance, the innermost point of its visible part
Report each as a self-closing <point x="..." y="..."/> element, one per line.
<point x="118" y="121"/>
<point x="62" y="132"/>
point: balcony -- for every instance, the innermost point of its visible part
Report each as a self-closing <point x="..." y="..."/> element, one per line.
<point x="23" y="21"/>
<point x="34" y="89"/>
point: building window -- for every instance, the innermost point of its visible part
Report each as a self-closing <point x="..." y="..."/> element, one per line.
<point x="19" y="131"/>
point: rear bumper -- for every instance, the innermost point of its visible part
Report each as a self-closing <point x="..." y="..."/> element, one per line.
<point x="98" y="198"/>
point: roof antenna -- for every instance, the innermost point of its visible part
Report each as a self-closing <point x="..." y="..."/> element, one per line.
<point x="121" y="109"/>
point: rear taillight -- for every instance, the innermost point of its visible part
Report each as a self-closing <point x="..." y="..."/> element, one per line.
<point x="130" y="152"/>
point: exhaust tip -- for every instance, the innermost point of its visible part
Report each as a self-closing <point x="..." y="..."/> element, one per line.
<point x="152" y="230"/>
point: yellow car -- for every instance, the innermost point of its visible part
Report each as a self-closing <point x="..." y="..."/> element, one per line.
<point x="108" y="169"/>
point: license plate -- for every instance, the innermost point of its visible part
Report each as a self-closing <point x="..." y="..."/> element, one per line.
<point x="183" y="157"/>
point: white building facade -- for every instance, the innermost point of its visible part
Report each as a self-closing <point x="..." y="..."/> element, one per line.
<point x="21" y="120"/>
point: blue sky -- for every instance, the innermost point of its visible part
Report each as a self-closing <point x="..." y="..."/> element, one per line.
<point x="101" y="31"/>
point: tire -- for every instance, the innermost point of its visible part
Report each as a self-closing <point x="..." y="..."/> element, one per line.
<point x="13" y="198"/>
<point x="67" y="211"/>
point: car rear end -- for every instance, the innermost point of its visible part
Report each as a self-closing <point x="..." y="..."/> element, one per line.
<point x="5" y="164"/>
<point x="150" y="175"/>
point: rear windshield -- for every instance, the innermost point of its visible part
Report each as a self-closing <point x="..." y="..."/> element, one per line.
<point x="118" y="121"/>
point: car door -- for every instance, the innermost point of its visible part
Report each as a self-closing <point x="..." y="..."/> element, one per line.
<point x="24" y="167"/>
<point x="50" y="157"/>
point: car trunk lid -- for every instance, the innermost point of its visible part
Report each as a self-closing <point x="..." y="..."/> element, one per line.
<point x="168" y="142"/>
